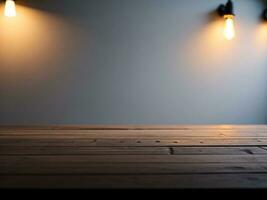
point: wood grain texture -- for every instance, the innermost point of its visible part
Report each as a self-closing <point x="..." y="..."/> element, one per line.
<point x="185" y="181"/>
<point x="218" y="151"/>
<point x="81" y="150"/>
<point x="217" y="156"/>
<point x="137" y="127"/>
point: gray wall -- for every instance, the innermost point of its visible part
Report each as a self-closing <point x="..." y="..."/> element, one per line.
<point x="132" y="62"/>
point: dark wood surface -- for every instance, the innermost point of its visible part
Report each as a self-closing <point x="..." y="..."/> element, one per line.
<point x="216" y="156"/>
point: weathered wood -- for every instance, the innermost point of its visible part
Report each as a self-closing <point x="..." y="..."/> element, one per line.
<point x="113" y="133"/>
<point x="186" y="181"/>
<point x="35" y="150"/>
<point x="123" y="127"/>
<point x="134" y="142"/>
<point x="137" y="127"/>
<point x="153" y="132"/>
<point x="182" y="156"/>
<point x="117" y="134"/>
<point x="88" y="168"/>
<point x="218" y="151"/>
<point x="68" y="150"/>
<point x="88" y="159"/>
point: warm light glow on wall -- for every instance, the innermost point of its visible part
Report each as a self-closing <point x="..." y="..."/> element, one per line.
<point x="209" y="48"/>
<point x="229" y="29"/>
<point x="36" y="41"/>
<point x="10" y="8"/>
<point x="261" y="38"/>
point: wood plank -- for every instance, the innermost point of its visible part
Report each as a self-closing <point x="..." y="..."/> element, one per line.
<point x="130" y="134"/>
<point x="119" y="127"/>
<point x="115" y="133"/>
<point x="136" y="127"/>
<point x="88" y="159"/>
<point x="83" y="168"/>
<point x="121" y="156"/>
<point x="202" y="181"/>
<point x="133" y="142"/>
<point x="35" y="150"/>
<point x="162" y="131"/>
<point x="218" y="151"/>
<point x="125" y="138"/>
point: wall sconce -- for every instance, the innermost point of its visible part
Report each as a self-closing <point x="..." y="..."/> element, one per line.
<point x="264" y="15"/>
<point x="10" y="8"/>
<point x="227" y="12"/>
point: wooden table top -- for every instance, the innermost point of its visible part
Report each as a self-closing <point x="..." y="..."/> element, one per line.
<point x="89" y="157"/>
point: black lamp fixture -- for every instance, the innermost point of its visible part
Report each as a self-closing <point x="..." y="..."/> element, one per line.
<point x="227" y="12"/>
<point x="264" y="15"/>
<point x="10" y="8"/>
<point x="226" y="9"/>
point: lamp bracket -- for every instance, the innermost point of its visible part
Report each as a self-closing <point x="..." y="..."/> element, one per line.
<point x="226" y="9"/>
<point x="264" y="14"/>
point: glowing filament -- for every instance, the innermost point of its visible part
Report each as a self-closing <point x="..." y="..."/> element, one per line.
<point x="229" y="31"/>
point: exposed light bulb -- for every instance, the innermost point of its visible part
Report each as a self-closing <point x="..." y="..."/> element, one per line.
<point x="10" y="8"/>
<point x="229" y="30"/>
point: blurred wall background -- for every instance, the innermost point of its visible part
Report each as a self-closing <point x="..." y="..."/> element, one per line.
<point x="132" y="62"/>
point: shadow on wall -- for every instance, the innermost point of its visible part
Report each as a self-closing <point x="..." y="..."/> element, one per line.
<point x="34" y="42"/>
<point x="264" y="3"/>
<point x="55" y="7"/>
<point x="261" y="33"/>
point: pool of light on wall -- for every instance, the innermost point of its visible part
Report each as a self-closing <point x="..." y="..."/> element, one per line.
<point x="31" y="41"/>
